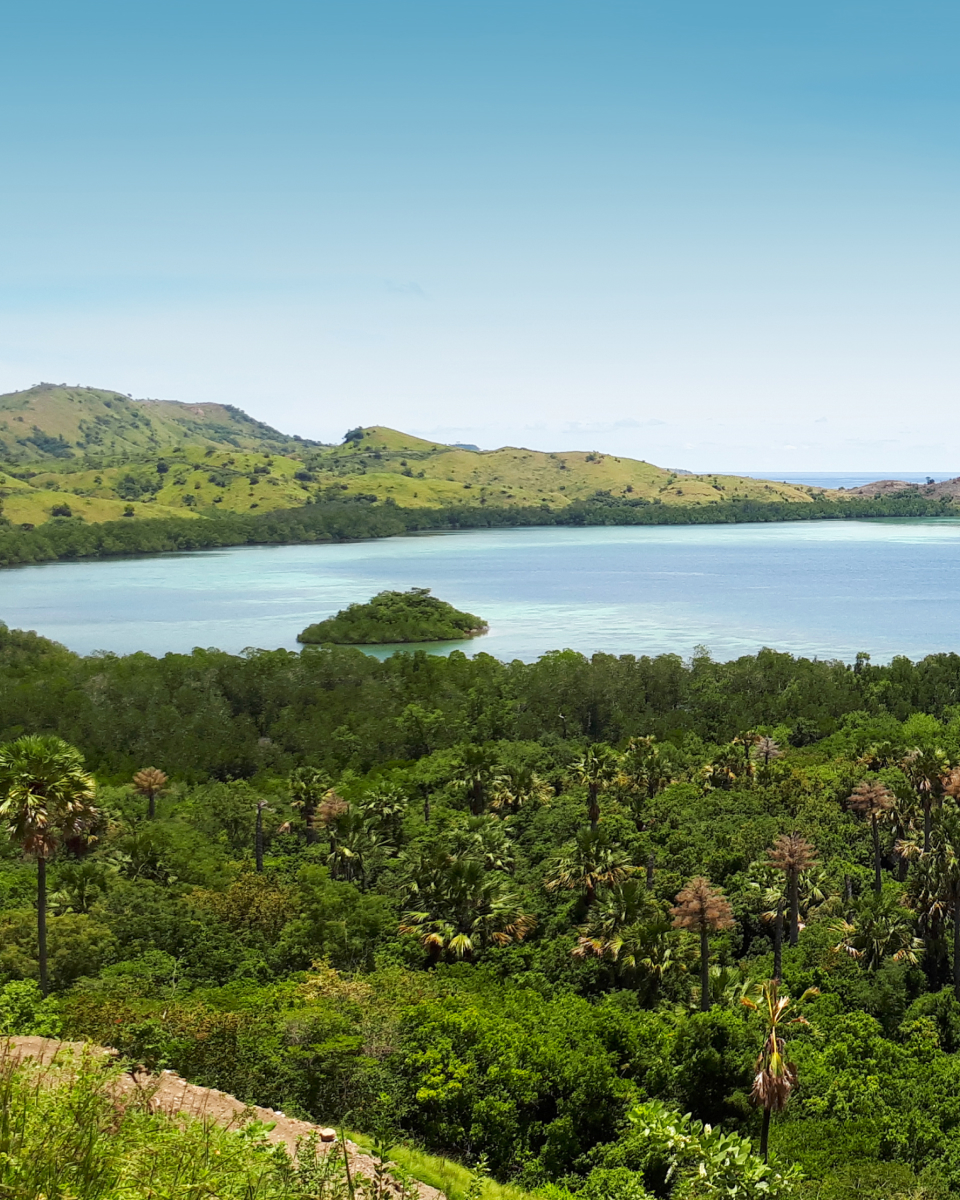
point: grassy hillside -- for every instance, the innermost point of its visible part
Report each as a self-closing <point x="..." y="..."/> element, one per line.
<point x="161" y="462"/>
<point x="60" y="422"/>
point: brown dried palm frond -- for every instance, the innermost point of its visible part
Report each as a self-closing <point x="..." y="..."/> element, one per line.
<point x="792" y="854"/>
<point x="870" y="798"/>
<point x="150" y="781"/>
<point x="701" y="906"/>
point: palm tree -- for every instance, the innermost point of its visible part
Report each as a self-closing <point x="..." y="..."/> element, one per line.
<point x="613" y="928"/>
<point x="262" y="807"/>
<point x="595" y="770"/>
<point x="514" y="787"/>
<point x="928" y="770"/>
<point x="150" y="782"/>
<point x="591" y="861"/>
<point x="792" y="854"/>
<point x="465" y="909"/>
<point x="871" y="799"/>
<point x="702" y="909"/>
<point x="486" y="839"/>
<point x="765" y="750"/>
<point x="474" y="773"/>
<point x="775" y="1076"/>
<point x="945" y="850"/>
<point x="45" y="797"/>
<point x="881" y="928"/>
<point x="308" y="786"/>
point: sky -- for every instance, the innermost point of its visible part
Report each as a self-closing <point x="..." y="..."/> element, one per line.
<point x="714" y="236"/>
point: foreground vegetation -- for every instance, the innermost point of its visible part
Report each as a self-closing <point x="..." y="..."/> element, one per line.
<point x="70" y="1132"/>
<point x="605" y="928"/>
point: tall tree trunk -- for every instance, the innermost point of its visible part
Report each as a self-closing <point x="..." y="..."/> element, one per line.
<point x="704" y="969"/>
<point x="794" y="908"/>
<point x="258" y="840"/>
<point x="42" y="921"/>
<point x="927" y="806"/>
<point x="765" y="1133"/>
<point x="309" y="812"/>
<point x="594" y="806"/>
<point x="477" y="803"/>
<point x="956" y="945"/>
<point x="651" y="864"/>
<point x="877" y="881"/>
<point x="151" y="804"/>
<point x="778" y="941"/>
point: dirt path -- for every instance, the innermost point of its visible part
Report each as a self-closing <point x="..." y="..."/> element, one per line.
<point x="170" y="1094"/>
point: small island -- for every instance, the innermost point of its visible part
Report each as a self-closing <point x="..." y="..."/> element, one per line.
<point x="413" y="616"/>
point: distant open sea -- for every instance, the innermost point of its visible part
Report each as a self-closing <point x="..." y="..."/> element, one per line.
<point x="845" y="479"/>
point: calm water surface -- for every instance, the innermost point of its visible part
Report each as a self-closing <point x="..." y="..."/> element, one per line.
<point x="826" y="588"/>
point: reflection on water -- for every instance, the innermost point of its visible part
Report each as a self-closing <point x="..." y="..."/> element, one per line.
<point x="826" y="588"/>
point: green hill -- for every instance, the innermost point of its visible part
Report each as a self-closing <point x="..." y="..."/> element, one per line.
<point x="60" y="422"/>
<point x="102" y="455"/>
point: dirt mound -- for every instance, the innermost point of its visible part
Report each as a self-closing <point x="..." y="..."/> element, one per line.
<point x="168" y="1093"/>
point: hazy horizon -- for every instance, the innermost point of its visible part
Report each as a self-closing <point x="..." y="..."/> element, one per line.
<point x="692" y="234"/>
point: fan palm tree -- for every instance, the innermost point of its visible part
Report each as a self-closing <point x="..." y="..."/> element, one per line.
<point x="702" y="909"/>
<point x="765" y="750"/>
<point x="775" y="1075"/>
<point x="308" y="786"/>
<point x="515" y="786"/>
<point x="928" y="770"/>
<point x="468" y="909"/>
<point x="46" y="795"/>
<point x="595" y="769"/>
<point x="591" y="861"/>
<point x="150" y="782"/>
<point x="875" y="802"/>
<point x="475" y="770"/>
<point x="882" y="927"/>
<point x="613" y="929"/>
<point x="792" y="854"/>
<point x="486" y="839"/>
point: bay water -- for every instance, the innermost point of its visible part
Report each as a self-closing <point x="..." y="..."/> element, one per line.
<point x="825" y="589"/>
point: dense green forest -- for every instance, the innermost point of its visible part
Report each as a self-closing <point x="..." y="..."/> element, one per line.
<point x="391" y="617"/>
<point x="526" y="915"/>
<point x="363" y="516"/>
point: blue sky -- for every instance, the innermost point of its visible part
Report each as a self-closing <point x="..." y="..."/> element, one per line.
<point x="712" y="236"/>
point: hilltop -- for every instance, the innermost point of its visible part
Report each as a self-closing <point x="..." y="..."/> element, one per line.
<point x="61" y="422"/>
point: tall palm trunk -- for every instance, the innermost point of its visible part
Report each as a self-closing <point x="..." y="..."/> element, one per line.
<point x="765" y="1133"/>
<point x="42" y="920"/>
<point x="258" y="841"/>
<point x="778" y="942"/>
<point x="794" y="908"/>
<point x="927" y="807"/>
<point x="956" y="944"/>
<point x="877" y="881"/>
<point x="151" y="804"/>
<point x="704" y="969"/>
<point x="593" y="809"/>
<point x="651" y="865"/>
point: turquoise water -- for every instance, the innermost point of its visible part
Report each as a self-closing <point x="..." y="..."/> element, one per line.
<point x="826" y="588"/>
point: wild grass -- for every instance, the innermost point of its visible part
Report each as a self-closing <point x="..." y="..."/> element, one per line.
<point x="456" y="1181"/>
<point x="67" y="1132"/>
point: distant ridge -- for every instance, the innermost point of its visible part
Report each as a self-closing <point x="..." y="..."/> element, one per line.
<point x="57" y="421"/>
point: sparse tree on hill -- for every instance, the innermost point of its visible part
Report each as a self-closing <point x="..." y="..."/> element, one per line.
<point x="150" y="782"/>
<point x="702" y="909"/>
<point x="792" y="854"/>
<point x="46" y="796"/>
